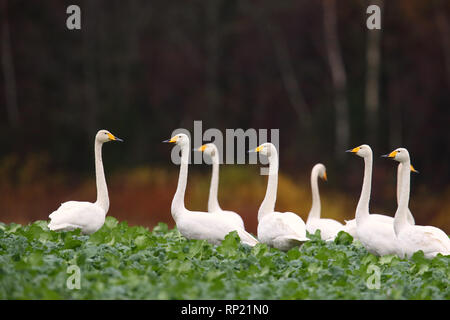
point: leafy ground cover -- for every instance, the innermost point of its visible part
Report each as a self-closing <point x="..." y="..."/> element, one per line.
<point x="122" y="262"/>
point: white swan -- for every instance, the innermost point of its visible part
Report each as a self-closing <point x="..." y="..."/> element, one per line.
<point x="87" y="216"/>
<point x="213" y="203"/>
<point x="279" y="230"/>
<point x="350" y="226"/>
<point x="329" y="228"/>
<point x="375" y="233"/>
<point x="212" y="227"/>
<point x="412" y="238"/>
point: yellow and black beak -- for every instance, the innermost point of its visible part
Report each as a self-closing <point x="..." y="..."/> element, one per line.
<point x="114" y="138"/>
<point x="354" y="150"/>
<point x="171" y="140"/>
<point x="390" y="155"/>
<point x="202" y="148"/>
<point x="258" y="149"/>
<point x="325" y="176"/>
<point x="413" y="169"/>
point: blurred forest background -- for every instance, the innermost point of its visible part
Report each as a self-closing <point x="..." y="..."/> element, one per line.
<point x="142" y="69"/>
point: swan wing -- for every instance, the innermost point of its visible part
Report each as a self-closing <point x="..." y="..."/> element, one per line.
<point x="212" y="227"/>
<point x="281" y="226"/>
<point x="66" y="206"/>
<point x="378" y="237"/>
<point x="429" y="239"/>
<point x="234" y="217"/>
<point x="87" y="216"/>
<point x="329" y="228"/>
<point x="287" y="242"/>
<point x="294" y="223"/>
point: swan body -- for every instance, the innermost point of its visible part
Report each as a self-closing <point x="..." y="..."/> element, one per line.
<point x="376" y="235"/>
<point x="281" y="230"/>
<point x="211" y="150"/>
<point x="412" y="238"/>
<point x="87" y="216"/>
<point x="329" y="228"/>
<point x="209" y="226"/>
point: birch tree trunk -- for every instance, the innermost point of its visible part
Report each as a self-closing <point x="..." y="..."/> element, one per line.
<point x="373" y="57"/>
<point x="339" y="78"/>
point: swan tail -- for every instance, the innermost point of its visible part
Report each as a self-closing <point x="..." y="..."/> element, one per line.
<point x="62" y="227"/>
<point x="248" y="239"/>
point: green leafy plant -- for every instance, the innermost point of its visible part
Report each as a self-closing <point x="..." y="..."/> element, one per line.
<point x="123" y="262"/>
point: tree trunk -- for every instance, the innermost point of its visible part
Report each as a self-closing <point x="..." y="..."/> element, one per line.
<point x="284" y="62"/>
<point x="372" y="81"/>
<point x="444" y="32"/>
<point x="8" y="69"/>
<point x="212" y="57"/>
<point x="88" y="28"/>
<point x="338" y="75"/>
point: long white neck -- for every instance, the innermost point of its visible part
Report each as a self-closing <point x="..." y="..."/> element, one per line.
<point x="400" y="218"/>
<point x="213" y="202"/>
<point x="268" y="204"/>
<point x="362" y="210"/>
<point x="399" y="185"/>
<point x="409" y="215"/>
<point x="314" y="213"/>
<point x="102" y="189"/>
<point x="178" y="199"/>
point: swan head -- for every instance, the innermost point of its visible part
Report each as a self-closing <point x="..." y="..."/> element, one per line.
<point x="400" y="155"/>
<point x="321" y="170"/>
<point x="180" y="139"/>
<point x="105" y="136"/>
<point x="363" y="150"/>
<point x="266" y="149"/>
<point x="210" y="149"/>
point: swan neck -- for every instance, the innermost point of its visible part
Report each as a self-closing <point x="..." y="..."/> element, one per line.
<point x="178" y="198"/>
<point x="314" y="213"/>
<point x="362" y="210"/>
<point x="400" y="218"/>
<point x="268" y="204"/>
<point x="102" y="189"/>
<point x="399" y="179"/>
<point x="213" y="202"/>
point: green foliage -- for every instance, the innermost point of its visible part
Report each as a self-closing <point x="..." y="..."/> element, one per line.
<point x="122" y="262"/>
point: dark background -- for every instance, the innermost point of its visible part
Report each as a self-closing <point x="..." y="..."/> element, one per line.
<point x="142" y="69"/>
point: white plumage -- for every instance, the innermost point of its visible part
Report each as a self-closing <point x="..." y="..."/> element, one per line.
<point x="209" y="226"/>
<point x="87" y="216"/>
<point x="329" y="228"/>
<point x="412" y="238"/>
<point x="211" y="150"/>
<point x="279" y="230"/>
<point x="375" y="233"/>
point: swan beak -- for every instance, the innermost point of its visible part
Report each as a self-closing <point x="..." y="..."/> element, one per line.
<point x="325" y="176"/>
<point x="202" y="148"/>
<point x="258" y="149"/>
<point x="354" y="150"/>
<point x="392" y="154"/>
<point x="413" y="170"/>
<point x="114" y="138"/>
<point x="171" y="140"/>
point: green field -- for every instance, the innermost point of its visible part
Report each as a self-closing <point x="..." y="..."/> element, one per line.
<point x="122" y="262"/>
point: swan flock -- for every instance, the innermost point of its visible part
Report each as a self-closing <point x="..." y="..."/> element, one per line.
<point x="380" y="234"/>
